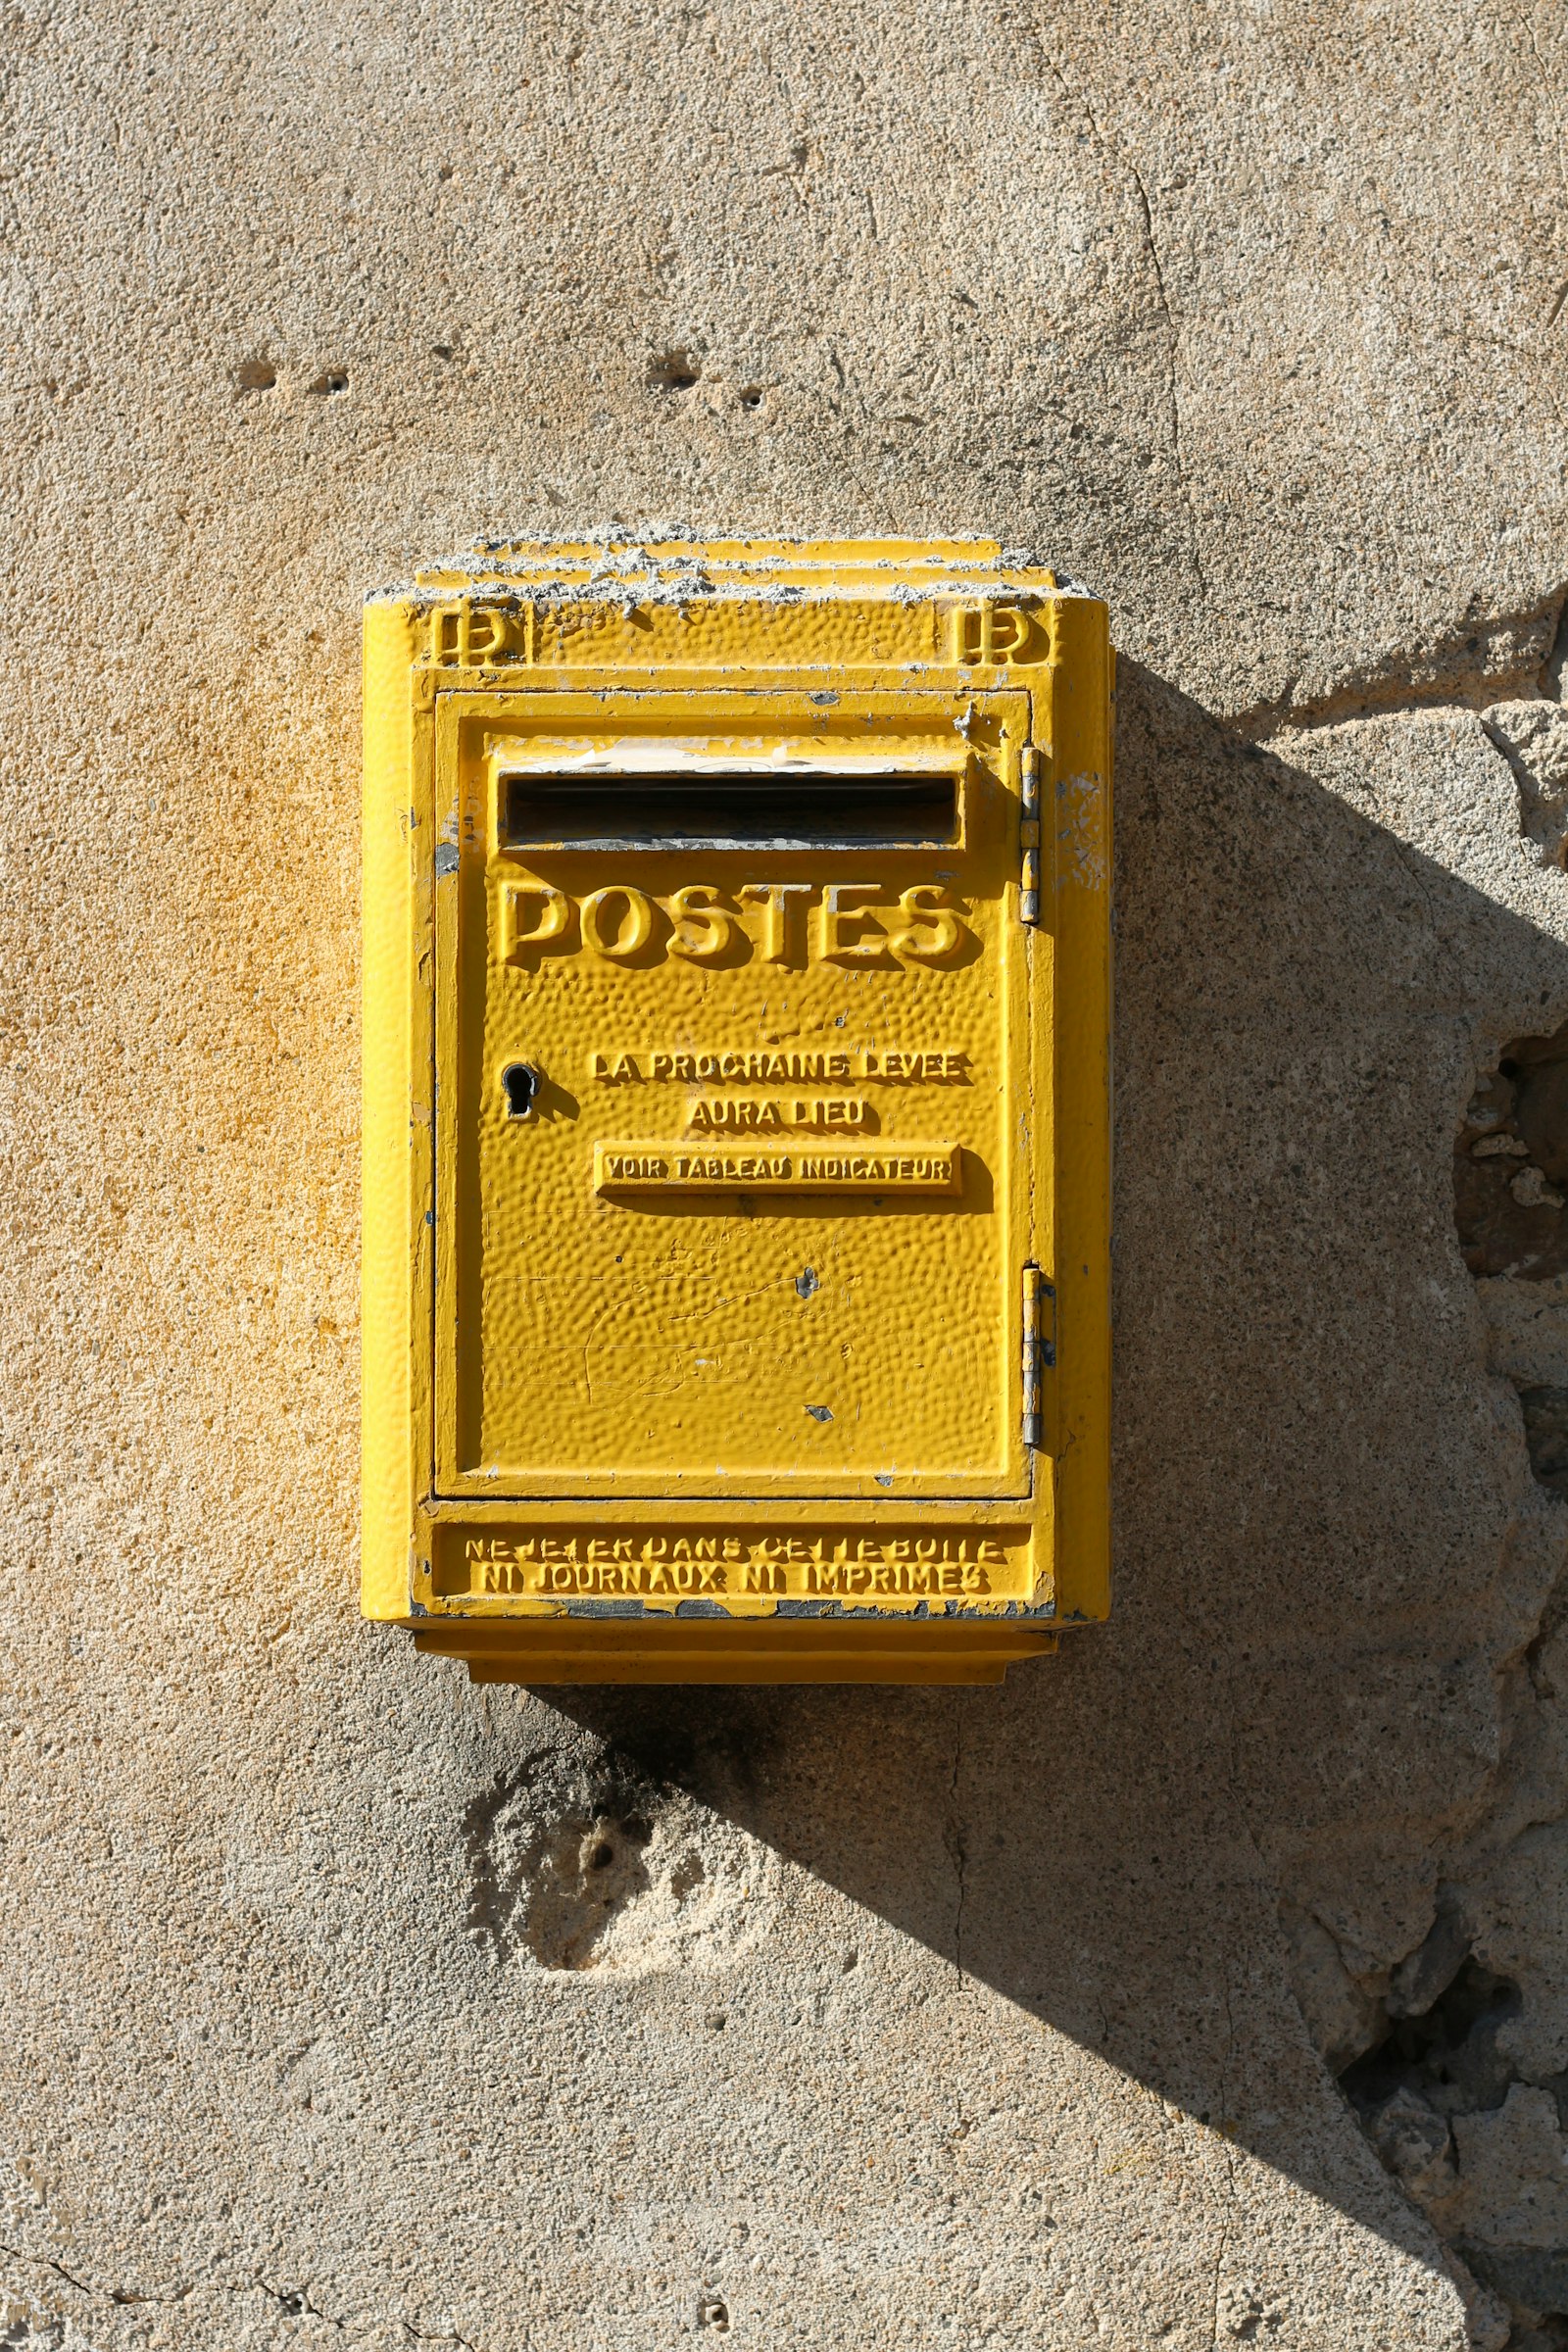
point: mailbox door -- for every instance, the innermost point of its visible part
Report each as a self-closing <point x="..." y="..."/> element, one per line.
<point x="735" y="1160"/>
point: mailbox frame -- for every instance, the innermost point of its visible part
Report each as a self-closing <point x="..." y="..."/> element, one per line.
<point x="864" y="622"/>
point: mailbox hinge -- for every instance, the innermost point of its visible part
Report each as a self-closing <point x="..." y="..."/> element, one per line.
<point x="1029" y="834"/>
<point x="1039" y="1348"/>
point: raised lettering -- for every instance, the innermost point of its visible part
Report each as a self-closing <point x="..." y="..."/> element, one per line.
<point x="855" y="923"/>
<point x="468" y="636"/>
<point x="775" y="897"/>
<point x="553" y="914"/>
<point x="1004" y="635"/>
<point x="618" y="920"/>
<point x="839" y="913"/>
<point x="703" y="927"/>
<point x="922" y="904"/>
<point x="856" y="1562"/>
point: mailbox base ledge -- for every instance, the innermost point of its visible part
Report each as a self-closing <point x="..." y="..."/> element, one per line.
<point x="579" y="1651"/>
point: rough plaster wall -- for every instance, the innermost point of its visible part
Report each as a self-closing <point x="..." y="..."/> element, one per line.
<point x="347" y="2004"/>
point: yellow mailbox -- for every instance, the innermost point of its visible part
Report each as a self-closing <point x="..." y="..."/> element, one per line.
<point x="736" y="1111"/>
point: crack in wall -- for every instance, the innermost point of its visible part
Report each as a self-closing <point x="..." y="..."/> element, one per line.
<point x="95" y="2294"/>
<point x="294" y="2302"/>
<point x="1173" y="400"/>
<point x="1498" y="656"/>
<point x="1080" y="101"/>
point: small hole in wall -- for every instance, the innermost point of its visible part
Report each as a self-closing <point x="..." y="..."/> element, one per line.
<point x="330" y="381"/>
<point x="1447" y="2051"/>
<point x="1546" y="1412"/>
<point x="443" y="351"/>
<point x="672" y="371"/>
<point x="752" y="397"/>
<point x="1510" y="1168"/>
<point x="712" y="2312"/>
<point x="601" y="1858"/>
<point x="255" y="376"/>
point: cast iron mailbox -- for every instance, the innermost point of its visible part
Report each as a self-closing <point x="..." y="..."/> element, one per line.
<point x="736" y="1140"/>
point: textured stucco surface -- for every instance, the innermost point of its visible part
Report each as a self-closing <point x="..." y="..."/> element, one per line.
<point x="998" y="2018"/>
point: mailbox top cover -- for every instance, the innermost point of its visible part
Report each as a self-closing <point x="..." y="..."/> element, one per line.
<point x="736" y="1068"/>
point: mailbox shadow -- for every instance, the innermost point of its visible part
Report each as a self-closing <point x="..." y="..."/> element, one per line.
<point x="1103" y="1840"/>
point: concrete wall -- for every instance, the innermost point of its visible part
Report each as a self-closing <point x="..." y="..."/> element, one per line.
<point x="914" y="2019"/>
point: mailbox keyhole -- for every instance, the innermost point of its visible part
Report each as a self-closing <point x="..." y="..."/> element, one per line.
<point x="519" y="1083"/>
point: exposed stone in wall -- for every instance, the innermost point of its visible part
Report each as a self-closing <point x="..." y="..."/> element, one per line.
<point x="1456" y="2057"/>
<point x="1511" y="1160"/>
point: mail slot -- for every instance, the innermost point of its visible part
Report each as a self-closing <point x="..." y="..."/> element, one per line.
<point x="736" y="1111"/>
